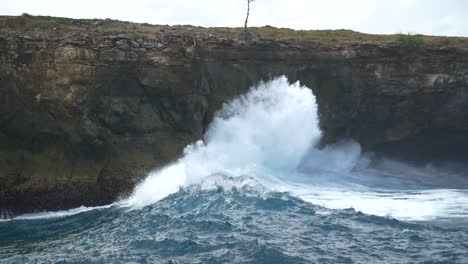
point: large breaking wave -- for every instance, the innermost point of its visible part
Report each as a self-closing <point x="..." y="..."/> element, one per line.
<point x="266" y="139"/>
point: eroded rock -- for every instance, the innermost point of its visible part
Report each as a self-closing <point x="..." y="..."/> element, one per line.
<point x="82" y="119"/>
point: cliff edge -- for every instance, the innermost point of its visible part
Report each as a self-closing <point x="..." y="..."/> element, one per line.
<point x="88" y="107"/>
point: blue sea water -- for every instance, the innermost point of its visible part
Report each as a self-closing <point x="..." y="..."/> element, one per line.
<point x="231" y="226"/>
<point x="256" y="190"/>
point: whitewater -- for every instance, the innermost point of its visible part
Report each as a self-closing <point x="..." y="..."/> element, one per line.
<point x="257" y="188"/>
<point x="271" y="134"/>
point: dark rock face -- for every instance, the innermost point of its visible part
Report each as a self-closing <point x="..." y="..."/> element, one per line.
<point x="83" y="118"/>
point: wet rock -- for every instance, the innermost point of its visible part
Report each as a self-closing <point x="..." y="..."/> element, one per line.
<point x="6" y="214"/>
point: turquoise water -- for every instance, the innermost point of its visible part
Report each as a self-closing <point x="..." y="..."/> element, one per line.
<point x="236" y="226"/>
<point x="256" y="190"/>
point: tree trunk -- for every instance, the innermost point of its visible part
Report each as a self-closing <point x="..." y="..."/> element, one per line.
<point x="247" y="19"/>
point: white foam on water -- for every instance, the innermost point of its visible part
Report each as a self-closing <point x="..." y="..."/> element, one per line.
<point x="403" y="205"/>
<point x="57" y="214"/>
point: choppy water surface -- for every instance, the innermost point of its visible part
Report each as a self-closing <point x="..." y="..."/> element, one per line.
<point x="256" y="190"/>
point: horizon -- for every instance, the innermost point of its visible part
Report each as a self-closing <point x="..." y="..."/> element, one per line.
<point x="366" y="16"/>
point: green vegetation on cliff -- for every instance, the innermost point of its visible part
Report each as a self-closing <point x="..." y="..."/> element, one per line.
<point x="417" y="40"/>
<point x="61" y="25"/>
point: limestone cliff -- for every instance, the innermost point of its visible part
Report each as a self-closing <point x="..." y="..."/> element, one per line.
<point x="84" y="114"/>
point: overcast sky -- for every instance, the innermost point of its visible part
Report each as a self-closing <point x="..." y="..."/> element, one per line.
<point x="434" y="17"/>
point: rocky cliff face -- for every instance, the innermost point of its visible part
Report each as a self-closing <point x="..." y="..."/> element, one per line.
<point x="84" y="116"/>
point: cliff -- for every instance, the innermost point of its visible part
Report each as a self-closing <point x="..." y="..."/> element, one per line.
<point x="87" y="107"/>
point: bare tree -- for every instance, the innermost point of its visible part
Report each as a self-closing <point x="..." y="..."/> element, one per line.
<point x="247" y="18"/>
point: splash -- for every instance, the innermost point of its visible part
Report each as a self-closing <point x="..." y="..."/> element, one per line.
<point x="262" y="133"/>
<point x="267" y="139"/>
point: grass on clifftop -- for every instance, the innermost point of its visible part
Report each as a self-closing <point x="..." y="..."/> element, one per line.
<point x="60" y="26"/>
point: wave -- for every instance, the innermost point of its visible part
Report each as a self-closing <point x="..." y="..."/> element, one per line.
<point x="270" y="135"/>
<point x="266" y="140"/>
<point x="263" y="133"/>
<point x="239" y="225"/>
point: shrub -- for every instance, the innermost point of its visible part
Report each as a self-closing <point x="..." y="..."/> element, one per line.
<point x="61" y="21"/>
<point x="411" y="39"/>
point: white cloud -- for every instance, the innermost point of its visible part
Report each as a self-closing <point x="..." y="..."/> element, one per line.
<point x="373" y="16"/>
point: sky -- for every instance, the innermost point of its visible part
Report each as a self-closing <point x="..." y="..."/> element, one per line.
<point x="431" y="17"/>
